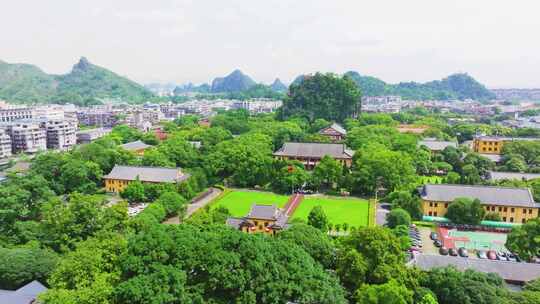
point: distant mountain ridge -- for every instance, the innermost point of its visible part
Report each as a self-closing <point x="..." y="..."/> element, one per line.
<point x="83" y="85"/>
<point x="456" y="86"/>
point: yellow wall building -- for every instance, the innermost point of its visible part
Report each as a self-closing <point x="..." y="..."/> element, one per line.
<point x="121" y="176"/>
<point x="136" y="147"/>
<point x="267" y="219"/>
<point x="514" y="205"/>
<point x="494" y="144"/>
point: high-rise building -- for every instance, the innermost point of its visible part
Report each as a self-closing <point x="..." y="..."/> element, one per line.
<point x="61" y="134"/>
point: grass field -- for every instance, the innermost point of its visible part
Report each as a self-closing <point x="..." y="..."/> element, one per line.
<point x="239" y="202"/>
<point x="338" y="210"/>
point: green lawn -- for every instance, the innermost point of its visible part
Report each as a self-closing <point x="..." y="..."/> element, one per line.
<point x="338" y="210"/>
<point x="239" y="202"/>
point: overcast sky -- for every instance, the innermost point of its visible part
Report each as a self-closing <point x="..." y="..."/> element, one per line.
<point x="497" y="42"/>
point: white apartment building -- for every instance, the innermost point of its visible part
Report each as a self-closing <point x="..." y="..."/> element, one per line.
<point x="28" y="137"/>
<point x="5" y="144"/>
<point x="9" y="113"/>
<point x="61" y="134"/>
<point x="50" y="112"/>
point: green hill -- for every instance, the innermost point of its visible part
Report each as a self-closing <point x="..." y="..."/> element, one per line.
<point x="85" y="84"/>
<point x="25" y="83"/>
<point x="456" y="86"/>
<point x="232" y="83"/>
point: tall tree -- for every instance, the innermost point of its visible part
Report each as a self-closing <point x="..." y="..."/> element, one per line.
<point x="325" y="96"/>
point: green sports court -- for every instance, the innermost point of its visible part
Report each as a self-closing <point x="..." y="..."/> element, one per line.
<point x="474" y="240"/>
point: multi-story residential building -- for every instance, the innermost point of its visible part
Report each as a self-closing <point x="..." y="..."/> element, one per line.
<point x="10" y="113"/>
<point x="49" y="112"/>
<point x="87" y="136"/>
<point x="494" y="144"/>
<point x="28" y="137"/>
<point x="514" y="205"/>
<point x="97" y="118"/>
<point x="61" y="134"/>
<point x="310" y="154"/>
<point x="121" y="176"/>
<point x="5" y="144"/>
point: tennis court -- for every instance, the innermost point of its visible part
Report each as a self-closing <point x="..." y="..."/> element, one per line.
<point x="474" y="240"/>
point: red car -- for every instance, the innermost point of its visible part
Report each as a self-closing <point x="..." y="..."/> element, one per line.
<point x="492" y="255"/>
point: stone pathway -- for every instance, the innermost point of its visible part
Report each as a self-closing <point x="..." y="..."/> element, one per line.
<point x="196" y="204"/>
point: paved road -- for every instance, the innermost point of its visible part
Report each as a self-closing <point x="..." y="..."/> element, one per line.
<point x="195" y="205"/>
<point x="380" y="216"/>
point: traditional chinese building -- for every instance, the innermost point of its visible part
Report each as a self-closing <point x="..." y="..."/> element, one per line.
<point x="310" y="154"/>
<point x="267" y="219"/>
<point x="335" y="132"/>
<point x="121" y="176"/>
<point x="514" y="205"/>
<point x="136" y="147"/>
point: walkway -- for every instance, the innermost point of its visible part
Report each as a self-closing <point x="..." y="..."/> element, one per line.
<point x="196" y="204"/>
<point x="293" y="203"/>
<point x="382" y="211"/>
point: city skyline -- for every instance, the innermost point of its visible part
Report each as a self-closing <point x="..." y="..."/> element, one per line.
<point x="196" y="41"/>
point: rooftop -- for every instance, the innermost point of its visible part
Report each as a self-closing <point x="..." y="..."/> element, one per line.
<point x="24" y="295"/>
<point x="509" y="271"/>
<point x="147" y="174"/>
<point x="264" y="212"/>
<point x="315" y="150"/>
<point x="520" y="197"/>
<point x="337" y="127"/>
<point x="505" y="138"/>
<point x="437" y="145"/>
<point x="135" y="145"/>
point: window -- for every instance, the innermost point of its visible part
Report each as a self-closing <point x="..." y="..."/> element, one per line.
<point x="492" y="208"/>
<point x="523" y="221"/>
<point x="530" y="211"/>
<point x="256" y="223"/>
<point x="512" y="210"/>
<point x="500" y="209"/>
<point x="511" y="220"/>
<point x="446" y="205"/>
<point x="436" y="204"/>
<point x="265" y="224"/>
<point x="489" y="149"/>
<point x="431" y="204"/>
<point x="435" y="213"/>
<point x="505" y="209"/>
<point x="430" y="213"/>
<point x="524" y="211"/>
<point x="504" y="218"/>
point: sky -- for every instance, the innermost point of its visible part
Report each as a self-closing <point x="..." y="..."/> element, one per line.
<point x="180" y="41"/>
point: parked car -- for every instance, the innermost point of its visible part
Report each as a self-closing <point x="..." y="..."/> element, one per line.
<point x="437" y="243"/>
<point x="434" y="236"/>
<point x="501" y="256"/>
<point x="482" y="254"/>
<point x="463" y="252"/>
<point x="443" y="251"/>
<point x="492" y="255"/>
<point x="452" y="252"/>
<point x="511" y="257"/>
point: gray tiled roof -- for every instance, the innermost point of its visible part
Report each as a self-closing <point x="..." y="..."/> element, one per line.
<point x="521" y="197"/>
<point x="147" y="174"/>
<point x="509" y="271"/>
<point x="24" y="295"/>
<point x="135" y="145"/>
<point x="338" y="128"/>
<point x="234" y="222"/>
<point x="265" y="212"/>
<point x="493" y="157"/>
<point x="505" y="138"/>
<point x="496" y="176"/>
<point x="437" y="145"/>
<point x="314" y="150"/>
